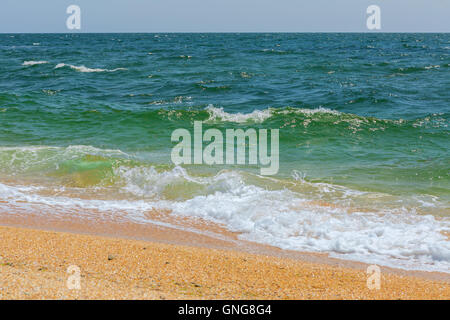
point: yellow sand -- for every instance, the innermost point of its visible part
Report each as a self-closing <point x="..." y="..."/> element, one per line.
<point x="33" y="265"/>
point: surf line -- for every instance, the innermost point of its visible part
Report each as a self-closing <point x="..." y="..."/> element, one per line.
<point x="213" y="153"/>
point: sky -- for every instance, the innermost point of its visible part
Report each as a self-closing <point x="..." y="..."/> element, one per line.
<point x="18" y="16"/>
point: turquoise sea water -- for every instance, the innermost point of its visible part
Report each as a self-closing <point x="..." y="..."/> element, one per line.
<point x="363" y="119"/>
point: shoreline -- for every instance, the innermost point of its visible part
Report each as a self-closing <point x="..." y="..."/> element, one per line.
<point x="166" y="229"/>
<point x="34" y="266"/>
<point x="181" y="265"/>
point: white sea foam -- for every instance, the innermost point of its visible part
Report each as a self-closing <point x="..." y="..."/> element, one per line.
<point x="262" y="115"/>
<point x="399" y="238"/>
<point x="32" y="63"/>
<point x="86" y="69"/>
<point x="312" y="111"/>
<point x="147" y="181"/>
<point x="219" y="113"/>
<point x="396" y="237"/>
<point x="83" y="149"/>
<point x="23" y="199"/>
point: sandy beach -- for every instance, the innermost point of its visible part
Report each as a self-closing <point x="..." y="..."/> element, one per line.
<point x="34" y="265"/>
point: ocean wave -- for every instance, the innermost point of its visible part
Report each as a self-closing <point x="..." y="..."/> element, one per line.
<point x="51" y="160"/>
<point x="396" y="237"/>
<point x="220" y="114"/>
<point x="283" y="219"/>
<point x="80" y="149"/>
<point x="264" y="114"/>
<point x="32" y="63"/>
<point x="293" y="214"/>
<point x="290" y="117"/>
<point x="86" y="69"/>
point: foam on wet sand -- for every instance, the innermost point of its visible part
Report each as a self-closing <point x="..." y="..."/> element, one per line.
<point x="34" y="266"/>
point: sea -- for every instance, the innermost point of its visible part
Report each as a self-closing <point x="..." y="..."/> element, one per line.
<point x="364" y="162"/>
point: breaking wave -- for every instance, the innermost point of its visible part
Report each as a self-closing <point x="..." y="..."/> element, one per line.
<point x="278" y="216"/>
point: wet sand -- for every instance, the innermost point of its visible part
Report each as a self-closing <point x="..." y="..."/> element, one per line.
<point x="174" y="264"/>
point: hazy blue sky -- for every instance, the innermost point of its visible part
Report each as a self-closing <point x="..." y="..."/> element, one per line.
<point x="224" y="15"/>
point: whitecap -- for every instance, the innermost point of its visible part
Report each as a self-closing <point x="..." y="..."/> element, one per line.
<point x="256" y="115"/>
<point x="32" y="63"/>
<point x="262" y="115"/>
<point x="86" y="69"/>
